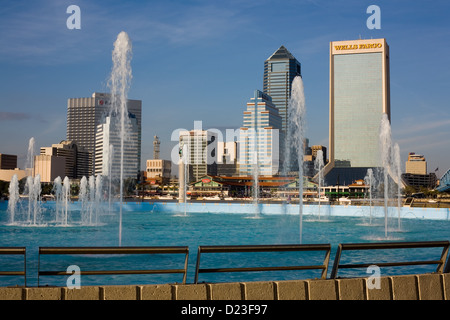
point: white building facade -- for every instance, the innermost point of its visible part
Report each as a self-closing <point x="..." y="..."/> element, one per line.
<point x="260" y="137"/>
<point x="108" y="148"/>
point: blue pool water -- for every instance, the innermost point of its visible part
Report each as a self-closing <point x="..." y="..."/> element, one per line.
<point x="166" y="224"/>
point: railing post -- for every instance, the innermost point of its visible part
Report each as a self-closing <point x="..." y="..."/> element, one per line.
<point x="326" y="261"/>
<point x="337" y="258"/>
<point x="445" y="267"/>
<point x="25" y="267"/>
<point x="198" y="264"/>
<point x="186" y="265"/>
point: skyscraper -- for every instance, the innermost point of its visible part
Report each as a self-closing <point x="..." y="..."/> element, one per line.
<point x="108" y="145"/>
<point x="200" y="156"/>
<point x="359" y="96"/>
<point x="259" y="137"/>
<point x="279" y="71"/>
<point x="76" y="157"/>
<point x="85" y="114"/>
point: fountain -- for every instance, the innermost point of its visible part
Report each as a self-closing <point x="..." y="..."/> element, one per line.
<point x="55" y="213"/>
<point x="91" y="199"/>
<point x="110" y="161"/>
<point x="33" y="187"/>
<point x="183" y="175"/>
<point x="120" y="83"/>
<point x="390" y="160"/>
<point x="98" y="196"/>
<point x="318" y="166"/>
<point x="58" y="192"/>
<point x="209" y="224"/>
<point x="65" y="200"/>
<point x="385" y="153"/>
<point x="255" y="167"/>
<point x="29" y="166"/>
<point x="13" y="190"/>
<point x="83" y="198"/>
<point x="370" y="181"/>
<point x="398" y="179"/>
<point x="296" y="136"/>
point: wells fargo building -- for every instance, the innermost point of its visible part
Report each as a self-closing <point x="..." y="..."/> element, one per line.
<point x="359" y="95"/>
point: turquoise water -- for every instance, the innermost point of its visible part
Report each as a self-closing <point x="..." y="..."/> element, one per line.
<point x="148" y="224"/>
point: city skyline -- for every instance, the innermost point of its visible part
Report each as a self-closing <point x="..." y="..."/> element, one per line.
<point x="199" y="61"/>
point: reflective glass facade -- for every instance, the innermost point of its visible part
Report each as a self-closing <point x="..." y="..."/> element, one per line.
<point x="279" y="71"/>
<point x="359" y="96"/>
<point x="357" y="109"/>
<point x="85" y="114"/>
<point x="260" y="136"/>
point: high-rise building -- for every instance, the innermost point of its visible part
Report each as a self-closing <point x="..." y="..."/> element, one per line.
<point x="49" y="167"/>
<point x="158" y="171"/>
<point x="85" y="114"/>
<point x="280" y="69"/>
<point x="416" y="164"/>
<point x="227" y="158"/>
<point x="77" y="158"/>
<point x="197" y="148"/>
<point x="260" y="136"/>
<point x="316" y="148"/>
<point x="8" y="167"/>
<point x="8" y="161"/>
<point x="359" y="96"/>
<point x="416" y="172"/>
<point x="108" y="148"/>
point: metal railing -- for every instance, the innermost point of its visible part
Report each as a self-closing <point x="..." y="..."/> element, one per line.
<point x="442" y="263"/>
<point x="113" y="250"/>
<point x="15" y="251"/>
<point x="391" y="245"/>
<point x="264" y="248"/>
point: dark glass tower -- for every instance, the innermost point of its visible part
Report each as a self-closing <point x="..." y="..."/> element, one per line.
<point x="279" y="71"/>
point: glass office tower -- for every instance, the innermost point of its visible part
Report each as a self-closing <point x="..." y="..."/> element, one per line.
<point x="108" y="145"/>
<point x="279" y="71"/>
<point x="200" y="153"/>
<point x="359" y="95"/>
<point x="85" y="114"/>
<point x="260" y="136"/>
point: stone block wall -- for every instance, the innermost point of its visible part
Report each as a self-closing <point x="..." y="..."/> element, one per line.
<point x="408" y="287"/>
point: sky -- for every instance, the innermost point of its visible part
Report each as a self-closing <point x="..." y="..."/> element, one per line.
<point x="201" y="60"/>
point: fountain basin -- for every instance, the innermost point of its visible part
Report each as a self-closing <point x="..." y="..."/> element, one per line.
<point x="217" y="223"/>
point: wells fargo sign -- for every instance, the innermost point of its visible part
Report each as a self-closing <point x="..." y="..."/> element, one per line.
<point x="358" y="46"/>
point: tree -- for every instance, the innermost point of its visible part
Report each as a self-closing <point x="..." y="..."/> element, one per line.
<point x="4" y="188"/>
<point x="74" y="189"/>
<point x="47" y="188"/>
<point x="129" y="186"/>
<point x="409" y="190"/>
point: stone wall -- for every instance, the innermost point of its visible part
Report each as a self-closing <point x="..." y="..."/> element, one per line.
<point x="409" y="287"/>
